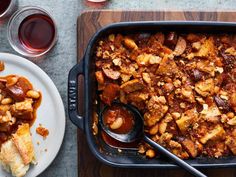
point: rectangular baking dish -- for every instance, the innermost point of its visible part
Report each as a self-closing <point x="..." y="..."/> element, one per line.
<point x="130" y="158"/>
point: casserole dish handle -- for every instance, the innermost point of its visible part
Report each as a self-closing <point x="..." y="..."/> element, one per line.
<point x="73" y="94"/>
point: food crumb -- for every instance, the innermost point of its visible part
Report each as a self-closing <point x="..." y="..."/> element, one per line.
<point x="38" y="143"/>
<point x="45" y="150"/>
<point x="42" y="131"/>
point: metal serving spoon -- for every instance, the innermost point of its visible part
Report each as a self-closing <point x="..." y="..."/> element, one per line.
<point x="138" y="133"/>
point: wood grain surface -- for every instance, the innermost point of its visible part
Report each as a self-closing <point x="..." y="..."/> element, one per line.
<point x="88" y="23"/>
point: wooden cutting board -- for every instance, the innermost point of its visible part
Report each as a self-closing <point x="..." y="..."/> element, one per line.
<point x="88" y="23"/>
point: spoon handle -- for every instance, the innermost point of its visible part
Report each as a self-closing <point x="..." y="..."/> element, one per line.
<point x="174" y="158"/>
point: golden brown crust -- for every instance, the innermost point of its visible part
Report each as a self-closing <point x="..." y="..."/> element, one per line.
<point x="17" y="153"/>
<point x="23" y="142"/>
<point x="11" y="159"/>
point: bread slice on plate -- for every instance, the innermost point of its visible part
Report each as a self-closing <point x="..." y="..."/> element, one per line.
<point x="18" y="152"/>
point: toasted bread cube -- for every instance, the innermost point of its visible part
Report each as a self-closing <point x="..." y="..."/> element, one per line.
<point x="205" y="88"/>
<point x="216" y="133"/>
<point x="17" y="153"/>
<point x="23" y="142"/>
<point x="231" y="143"/>
<point x="11" y="159"/>
<point x="207" y="48"/>
<point x="187" y="119"/>
<point x="132" y="86"/>
<point x="190" y="147"/>
<point x="24" y="106"/>
<point x="167" y="67"/>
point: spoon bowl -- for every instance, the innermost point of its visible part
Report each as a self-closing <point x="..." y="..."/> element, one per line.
<point x="137" y="132"/>
<point x="134" y="134"/>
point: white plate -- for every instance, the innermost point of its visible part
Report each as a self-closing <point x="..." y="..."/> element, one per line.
<point x="50" y="114"/>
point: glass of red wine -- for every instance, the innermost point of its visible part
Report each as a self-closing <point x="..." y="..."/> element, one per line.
<point x="32" y="31"/>
<point x="7" y="7"/>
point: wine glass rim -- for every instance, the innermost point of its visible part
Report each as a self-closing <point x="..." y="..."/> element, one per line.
<point x="6" y="11"/>
<point x="25" y="52"/>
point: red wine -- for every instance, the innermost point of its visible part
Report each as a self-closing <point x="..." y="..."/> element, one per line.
<point x="4" y="4"/>
<point x="37" y="32"/>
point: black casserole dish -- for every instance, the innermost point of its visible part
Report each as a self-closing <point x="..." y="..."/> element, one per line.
<point x="130" y="158"/>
